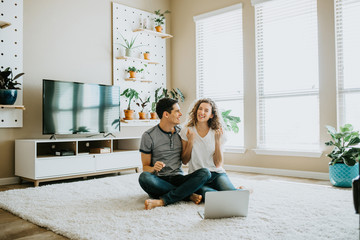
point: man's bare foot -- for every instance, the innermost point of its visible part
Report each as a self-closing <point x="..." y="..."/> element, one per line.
<point x="153" y="203"/>
<point x="196" y="198"/>
<point x="244" y="188"/>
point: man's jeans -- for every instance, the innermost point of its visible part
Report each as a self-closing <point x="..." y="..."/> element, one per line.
<point x="174" y="188"/>
<point x="217" y="182"/>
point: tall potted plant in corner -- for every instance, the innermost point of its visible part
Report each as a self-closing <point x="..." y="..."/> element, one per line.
<point x="344" y="166"/>
<point x="130" y="94"/>
<point x="159" y="20"/>
<point x="8" y="86"/>
<point x="143" y="104"/>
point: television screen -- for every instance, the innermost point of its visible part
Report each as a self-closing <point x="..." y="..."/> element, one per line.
<point x="72" y="108"/>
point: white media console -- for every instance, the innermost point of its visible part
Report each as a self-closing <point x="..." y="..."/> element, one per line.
<point x="36" y="159"/>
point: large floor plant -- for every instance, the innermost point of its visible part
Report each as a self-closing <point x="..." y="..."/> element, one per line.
<point x="345" y="155"/>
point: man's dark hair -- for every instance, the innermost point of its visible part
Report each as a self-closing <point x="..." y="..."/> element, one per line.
<point x="165" y="104"/>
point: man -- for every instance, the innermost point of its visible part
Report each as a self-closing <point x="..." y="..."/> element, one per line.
<point x="162" y="177"/>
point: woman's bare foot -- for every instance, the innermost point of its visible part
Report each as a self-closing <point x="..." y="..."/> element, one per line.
<point x="196" y="198"/>
<point x="244" y="188"/>
<point x="153" y="203"/>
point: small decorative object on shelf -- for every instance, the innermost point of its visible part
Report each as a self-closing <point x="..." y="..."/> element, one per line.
<point x="129" y="45"/>
<point x="133" y="70"/>
<point x="8" y="86"/>
<point x="344" y="164"/>
<point x="147" y="55"/>
<point x="143" y="104"/>
<point x="130" y="94"/>
<point x="159" y="20"/>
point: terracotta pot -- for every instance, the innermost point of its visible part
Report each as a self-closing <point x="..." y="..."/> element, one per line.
<point x="147" y="56"/>
<point x="153" y="115"/>
<point x="132" y="74"/>
<point x="129" y="114"/>
<point x="142" y="115"/>
<point x="158" y="28"/>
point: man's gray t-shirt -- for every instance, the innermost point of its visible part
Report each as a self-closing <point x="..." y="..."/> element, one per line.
<point x="165" y="147"/>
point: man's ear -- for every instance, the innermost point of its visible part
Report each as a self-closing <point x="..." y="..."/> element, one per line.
<point x="166" y="114"/>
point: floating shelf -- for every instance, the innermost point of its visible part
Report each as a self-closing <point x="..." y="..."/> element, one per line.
<point x="162" y="35"/>
<point x="136" y="59"/>
<point x="4" y="24"/>
<point x="12" y="106"/>
<point x="137" y="80"/>
<point x="138" y="122"/>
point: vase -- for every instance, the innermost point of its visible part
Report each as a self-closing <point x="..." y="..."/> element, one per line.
<point x="8" y="96"/>
<point x="342" y="175"/>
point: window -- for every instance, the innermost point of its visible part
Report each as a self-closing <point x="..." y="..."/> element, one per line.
<point x="347" y="29"/>
<point x="287" y="74"/>
<point x="219" y="63"/>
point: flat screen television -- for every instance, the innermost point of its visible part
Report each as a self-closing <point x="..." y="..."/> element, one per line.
<point x="80" y="108"/>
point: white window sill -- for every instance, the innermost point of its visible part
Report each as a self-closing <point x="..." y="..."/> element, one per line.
<point x="234" y="150"/>
<point x="294" y="153"/>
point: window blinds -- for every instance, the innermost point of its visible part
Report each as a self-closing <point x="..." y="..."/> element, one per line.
<point x="287" y="74"/>
<point x="347" y="29"/>
<point x="219" y="54"/>
<point x="219" y="63"/>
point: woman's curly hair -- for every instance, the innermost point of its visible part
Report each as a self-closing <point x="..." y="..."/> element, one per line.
<point x="214" y="122"/>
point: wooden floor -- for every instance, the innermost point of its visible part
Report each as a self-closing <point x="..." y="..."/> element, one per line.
<point x="13" y="227"/>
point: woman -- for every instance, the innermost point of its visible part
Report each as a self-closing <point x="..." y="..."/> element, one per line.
<point x="202" y="142"/>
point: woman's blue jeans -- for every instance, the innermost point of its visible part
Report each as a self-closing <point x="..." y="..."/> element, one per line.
<point x="174" y="188"/>
<point x="217" y="182"/>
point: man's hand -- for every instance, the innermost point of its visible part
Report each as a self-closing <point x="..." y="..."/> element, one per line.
<point x="158" y="166"/>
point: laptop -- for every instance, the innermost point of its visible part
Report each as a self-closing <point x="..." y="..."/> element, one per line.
<point x="223" y="204"/>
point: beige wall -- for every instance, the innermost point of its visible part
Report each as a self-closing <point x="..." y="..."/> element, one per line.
<point x="65" y="40"/>
<point x="71" y="40"/>
<point x="184" y="76"/>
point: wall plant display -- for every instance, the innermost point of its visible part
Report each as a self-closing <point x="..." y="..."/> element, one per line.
<point x="143" y="104"/>
<point x="133" y="70"/>
<point x="345" y="156"/>
<point x="125" y="25"/>
<point x="129" y="46"/>
<point x="160" y="19"/>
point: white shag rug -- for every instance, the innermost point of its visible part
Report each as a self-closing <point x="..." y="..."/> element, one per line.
<point x="113" y="208"/>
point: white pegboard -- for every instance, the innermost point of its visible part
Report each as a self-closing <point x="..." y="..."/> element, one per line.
<point x="125" y="20"/>
<point x="11" y="55"/>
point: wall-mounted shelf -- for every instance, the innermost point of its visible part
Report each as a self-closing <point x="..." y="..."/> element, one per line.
<point x="136" y="59"/>
<point x="137" y="122"/>
<point x="162" y="35"/>
<point x="137" y="80"/>
<point x="12" y="106"/>
<point x="4" y="24"/>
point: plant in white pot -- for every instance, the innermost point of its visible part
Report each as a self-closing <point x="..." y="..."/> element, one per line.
<point x="8" y="86"/>
<point x="129" y="45"/>
<point x="344" y="166"/>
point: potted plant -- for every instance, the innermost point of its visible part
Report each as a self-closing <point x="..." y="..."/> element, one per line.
<point x="133" y="70"/>
<point x="231" y="122"/>
<point x="143" y="104"/>
<point x="159" y="20"/>
<point x="8" y="86"/>
<point x="344" y="165"/>
<point x="130" y="94"/>
<point x="129" y="45"/>
<point x="174" y="94"/>
<point x="157" y="97"/>
<point x="147" y="55"/>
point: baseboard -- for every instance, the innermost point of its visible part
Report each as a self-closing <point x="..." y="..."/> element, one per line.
<point x="279" y="172"/>
<point x="11" y="180"/>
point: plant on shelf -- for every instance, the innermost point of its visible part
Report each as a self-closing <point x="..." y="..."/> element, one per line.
<point x="133" y="70"/>
<point x="345" y="156"/>
<point x="231" y="122"/>
<point x="147" y="55"/>
<point x="157" y="97"/>
<point x="129" y="93"/>
<point x="129" y="45"/>
<point x="8" y="86"/>
<point x="143" y="104"/>
<point x="159" y="20"/>
<point x="174" y="94"/>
